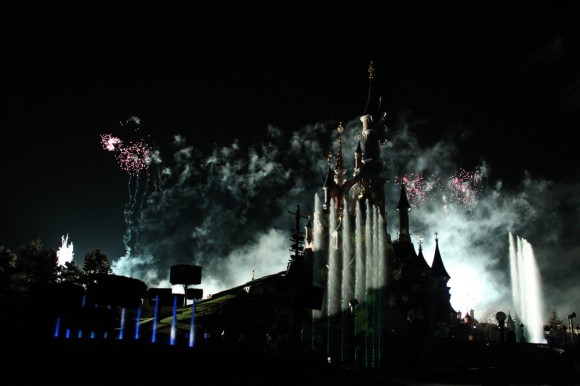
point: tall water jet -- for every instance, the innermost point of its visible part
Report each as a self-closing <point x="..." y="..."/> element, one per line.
<point x="192" y="325"/>
<point x="154" y="329"/>
<point x="333" y="285"/>
<point x="352" y="244"/>
<point x="122" y="325"/>
<point x="347" y="287"/>
<point x="173" y="333"/>
<point x="57" y="328"/>
<point x="526" y="287"/>
<point x="137" y="323"/>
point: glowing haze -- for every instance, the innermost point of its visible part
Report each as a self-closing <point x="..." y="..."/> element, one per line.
<point x="227" y="211"/>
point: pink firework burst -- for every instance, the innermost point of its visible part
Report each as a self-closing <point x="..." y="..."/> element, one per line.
<point x="111" y="143"/>
<point x="464" y="186"/>
<point x="414" y="186"/>
<point x="134" y="158"/>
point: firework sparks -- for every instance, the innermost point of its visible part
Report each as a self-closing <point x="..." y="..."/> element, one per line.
<point x="132" y="158"/>
<point x="460" y="188"/>
<point x="110" y="142"/>
<point x="415" y="187"/>
<point x="418" y="189"/>
<point x="464" y="186"/>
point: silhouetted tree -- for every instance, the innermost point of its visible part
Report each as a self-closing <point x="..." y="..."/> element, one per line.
<point x="45" y="267"/>
<point x="37" y="265"/>
<point x="27" y="253"/>
<point x="8" y="283"/>
<point x="70" y="272"/>
<point x="7" y="260"/>
<point x="554" y="320"/>
<point x="553" y="328"/>
<point x="97" y="263"/>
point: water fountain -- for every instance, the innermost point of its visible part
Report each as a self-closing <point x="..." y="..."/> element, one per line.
<point x="137" y="323"/>
<point x="526" y="287"/>
<point x="192" y="325"/>
<point x="172" y="334"/>
<point x="122" y="324"/>
<point x="353" y="249"/>
<point x="155" y="313"/>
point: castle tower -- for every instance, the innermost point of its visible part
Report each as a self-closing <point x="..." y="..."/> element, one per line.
<point x="374" y="288"/>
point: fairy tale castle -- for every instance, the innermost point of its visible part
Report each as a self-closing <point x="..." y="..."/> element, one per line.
<point x="349" y="293"/>
<point x="375" y="289"/>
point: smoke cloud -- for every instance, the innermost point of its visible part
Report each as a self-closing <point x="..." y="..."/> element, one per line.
<point x="228" y="211"/>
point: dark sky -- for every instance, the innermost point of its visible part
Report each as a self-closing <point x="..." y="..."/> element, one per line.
<point x="498" y="83"/>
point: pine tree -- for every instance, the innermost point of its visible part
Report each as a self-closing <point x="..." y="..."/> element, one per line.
<point x="554" y="321"/>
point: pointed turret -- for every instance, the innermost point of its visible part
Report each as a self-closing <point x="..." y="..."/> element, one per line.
<point x="424" y="266"/>
<point x="403" y="208"/>
<point x="420" y="254"/>
<point x="437" y="267"/>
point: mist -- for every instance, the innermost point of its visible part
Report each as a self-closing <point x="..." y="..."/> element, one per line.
<point x="228" y="211"/>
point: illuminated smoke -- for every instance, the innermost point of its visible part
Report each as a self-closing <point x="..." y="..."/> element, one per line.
<point x="227" y="211"/>
<point x="211" y="210"/>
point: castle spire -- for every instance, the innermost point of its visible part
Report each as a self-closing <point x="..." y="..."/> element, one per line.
<point x="339" y="170"/>
<point x="403" y="208"/>
<point x="437" y="267"/>
<point x="420" y="254"/>
<point x="371" y="70"/>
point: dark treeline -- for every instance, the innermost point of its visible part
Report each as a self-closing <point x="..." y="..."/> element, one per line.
<point x="32" y="264"/>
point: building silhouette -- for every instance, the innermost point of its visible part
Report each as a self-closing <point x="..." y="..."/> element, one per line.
<point x="349" y="288"/>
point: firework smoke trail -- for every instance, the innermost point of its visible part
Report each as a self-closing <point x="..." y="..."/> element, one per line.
<point x="227" y="212"/>
<point x="202" y="210"/>
<point x="444" y="198"/>
<point x="134" y="158"/>
<point x="129" y="212"/>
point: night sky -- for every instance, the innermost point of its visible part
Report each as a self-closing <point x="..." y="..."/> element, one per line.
<point x="240" y="105"/>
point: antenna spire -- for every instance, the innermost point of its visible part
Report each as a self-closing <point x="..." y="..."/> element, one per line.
<point x="371" y="70"/>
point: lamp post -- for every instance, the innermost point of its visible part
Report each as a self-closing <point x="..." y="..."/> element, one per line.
<point x="354" y="351"/>
<point x="564" y="328"/>
<point x="548" y="332"/>
<point x="500" y="317"/>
